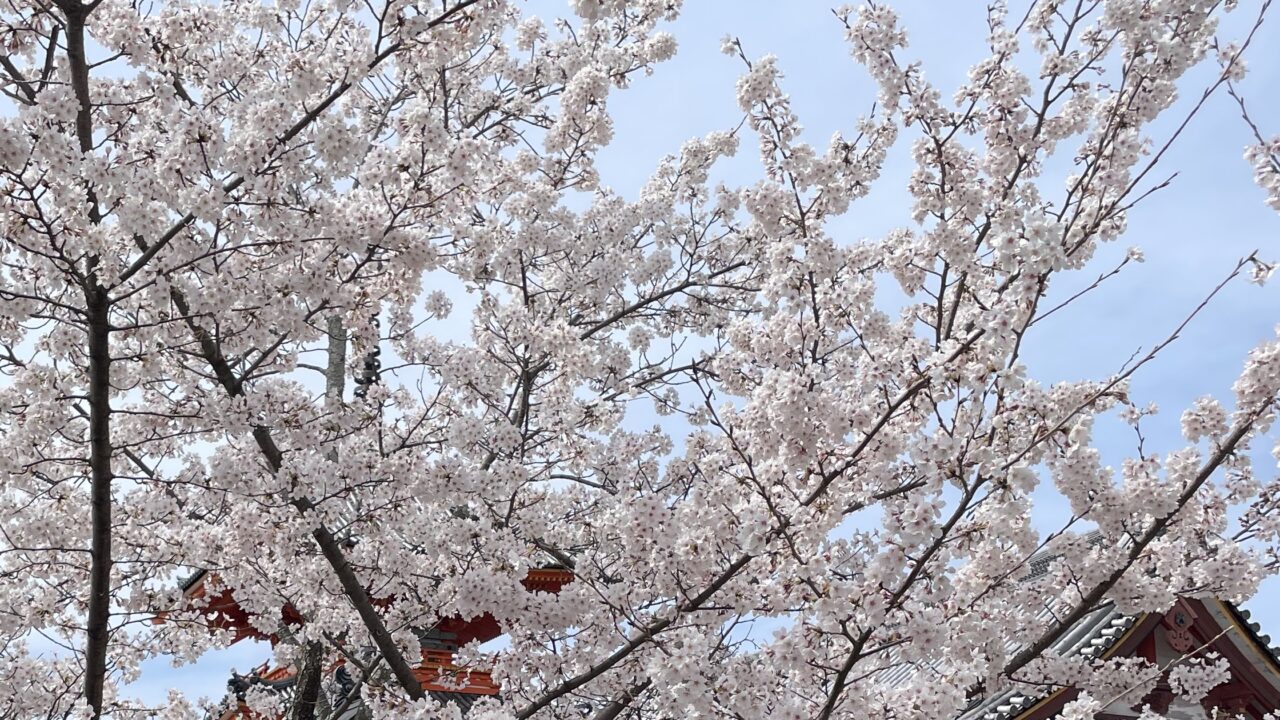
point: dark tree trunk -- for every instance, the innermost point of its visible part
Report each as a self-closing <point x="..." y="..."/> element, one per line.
<point x="307" y="690"/>
<point x="98" y="617"/>
<point x="98" y="330"/>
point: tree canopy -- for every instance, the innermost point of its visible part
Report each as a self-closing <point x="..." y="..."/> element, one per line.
<point x="234" y="234"/>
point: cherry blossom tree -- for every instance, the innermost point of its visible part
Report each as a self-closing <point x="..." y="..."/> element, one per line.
<point x="215" y="214"/>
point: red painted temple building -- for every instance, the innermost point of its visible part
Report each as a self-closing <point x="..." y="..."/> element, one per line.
<point x="440" y="677"/>
<point x="1192" y="627"/>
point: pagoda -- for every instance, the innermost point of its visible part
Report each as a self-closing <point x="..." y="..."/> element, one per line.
<point x="437" y="672"/>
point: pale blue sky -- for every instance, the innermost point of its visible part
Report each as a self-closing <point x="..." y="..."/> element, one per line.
<point x="1192" y="232"/>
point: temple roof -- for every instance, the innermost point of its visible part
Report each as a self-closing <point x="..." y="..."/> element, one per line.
<point x="1101" y="634"/>
<point x="1263" y="642"/>
<point x="1091" y="637"/>
<point x="1105" y="632"/>
<point x="282" y="682"/>
<point x="443" y="681"/>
